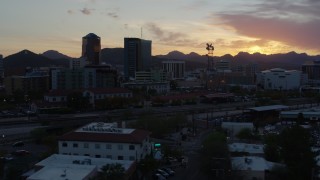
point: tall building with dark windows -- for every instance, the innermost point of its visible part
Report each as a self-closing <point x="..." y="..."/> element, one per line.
<point x="312" y="69"/>
<point x="174" y="69"/>
<point x="137" y="56"/>
<point x="1" y="69"/>
<point x="91" y="47"/>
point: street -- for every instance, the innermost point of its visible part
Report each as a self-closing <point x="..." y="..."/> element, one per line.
<point x="193" y="168"/>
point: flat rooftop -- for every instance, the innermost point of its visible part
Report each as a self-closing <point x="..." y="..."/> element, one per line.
<point x="251" y="163"/>
<point x="59" y="166"/>
<point x="269" y="108"/>
<point x="244" y="147"/>
<point x="101" y="127"/>
<point x="106" y="132"/>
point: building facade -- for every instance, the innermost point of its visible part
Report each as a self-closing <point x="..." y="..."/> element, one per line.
<point x="137" y="56"/>
<point x="77" y="63"/>
<point x="175" y="69"/>
<point x="35" y="81"/>
<point x="279" y="79"/>
<point x="159" y="87"/>
<point x="67" y="79"/>
<point x="222" y="66"/>
<point x="151" y="76"/>
<point x="103" y="93"/>
<point x="84" y="78"/>
<point x="312" y="69"/>
<point x="91" y="47"/>
<point x="106" y="140"/>
<point x="1" y="69"/>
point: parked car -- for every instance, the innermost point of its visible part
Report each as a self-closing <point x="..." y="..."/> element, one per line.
<point x="169" y="171"/>
<point x="18" y="144"/>
<point x="21" y="153"/>
<point x="158" y="176"/>
<point x="163" y="173"/>
<point x="7" y="158"/>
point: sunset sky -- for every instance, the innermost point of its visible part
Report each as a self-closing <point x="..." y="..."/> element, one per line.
<point x="265" y="26"/>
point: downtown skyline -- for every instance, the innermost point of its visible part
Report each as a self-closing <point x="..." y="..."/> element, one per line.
<point x="264" y="26"/>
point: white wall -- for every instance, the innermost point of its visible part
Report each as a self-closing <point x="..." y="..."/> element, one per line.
<point x="279" y="79"/>
<point x="139" y="151"/>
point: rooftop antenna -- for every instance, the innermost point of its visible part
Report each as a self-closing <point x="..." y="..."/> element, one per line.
<point x="210" y="65"/>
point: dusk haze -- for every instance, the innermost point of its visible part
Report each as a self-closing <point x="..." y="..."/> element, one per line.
<point x="160" y="89"/>
<point x="233" y="26"/>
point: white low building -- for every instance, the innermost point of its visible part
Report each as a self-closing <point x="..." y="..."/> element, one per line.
<point x="252" y="149"/>
<point x="234" y="128"/>
<point x="103" y="93"/>
<point x="279" y="79"/>
<point x="106" y="140"/>
<point x="62" y="167"/>
<point x="251" y="167"/>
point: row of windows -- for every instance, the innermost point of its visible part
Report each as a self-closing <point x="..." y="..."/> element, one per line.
<point x="97" y="146"/>
<point x="114" y="95"/>
<point x="131" y="158"/>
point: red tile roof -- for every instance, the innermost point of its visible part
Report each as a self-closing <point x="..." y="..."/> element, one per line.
<point x="61" y="92"/>
<point x="108" y="90"/>
<point x="136" y="137"/>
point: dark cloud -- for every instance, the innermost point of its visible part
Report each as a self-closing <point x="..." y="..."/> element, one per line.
<point x="70" y="11"/>
<point x="240" y="43"/>
<point x="112" y="12"/>
<point x="168" y="37"/>
<point x="86" y="11"/>
<point x="113" y="15"/>
<point x="306" y="8"/>
<point x="271" y="21"/>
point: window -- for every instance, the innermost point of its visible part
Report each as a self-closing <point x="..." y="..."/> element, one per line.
<point x="97" y="146"/>
<point x="98" y="156"/>
<point x="109" y="156"/>
<point x="131" y="158"/>
<point x="131" y="147"/>
<point x="108" y="146"/>
<point x="120" y="157"/>
<point x="120" y="146"/>
<point x="86" y="145"/>
<point x="64" y="144"/>
<point x="75" y="145"/>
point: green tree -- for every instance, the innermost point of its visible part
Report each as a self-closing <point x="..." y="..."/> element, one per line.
<point x="38" y="134"/>
<point x="214" y="153"/>
<point x="300" y="118"/>
<point x="245" y="134"/>
<point x="173" y="85"/>
<point x="295" y="149"/>
<point x="147" y="165"/>
<point x="112" y="172"/>
<point x="272" y="148"/>
<point x="76" y="101"/>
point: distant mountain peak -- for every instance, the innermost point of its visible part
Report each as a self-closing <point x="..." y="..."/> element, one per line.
<point x="53" y="54"/>
<point x="25" y="51"/>
<point x="193" y="54"/>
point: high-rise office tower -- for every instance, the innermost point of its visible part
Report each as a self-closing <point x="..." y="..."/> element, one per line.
<point x="91" y="47"/>
<point x="1" y="67"/>
<point x="137" y="56"/>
